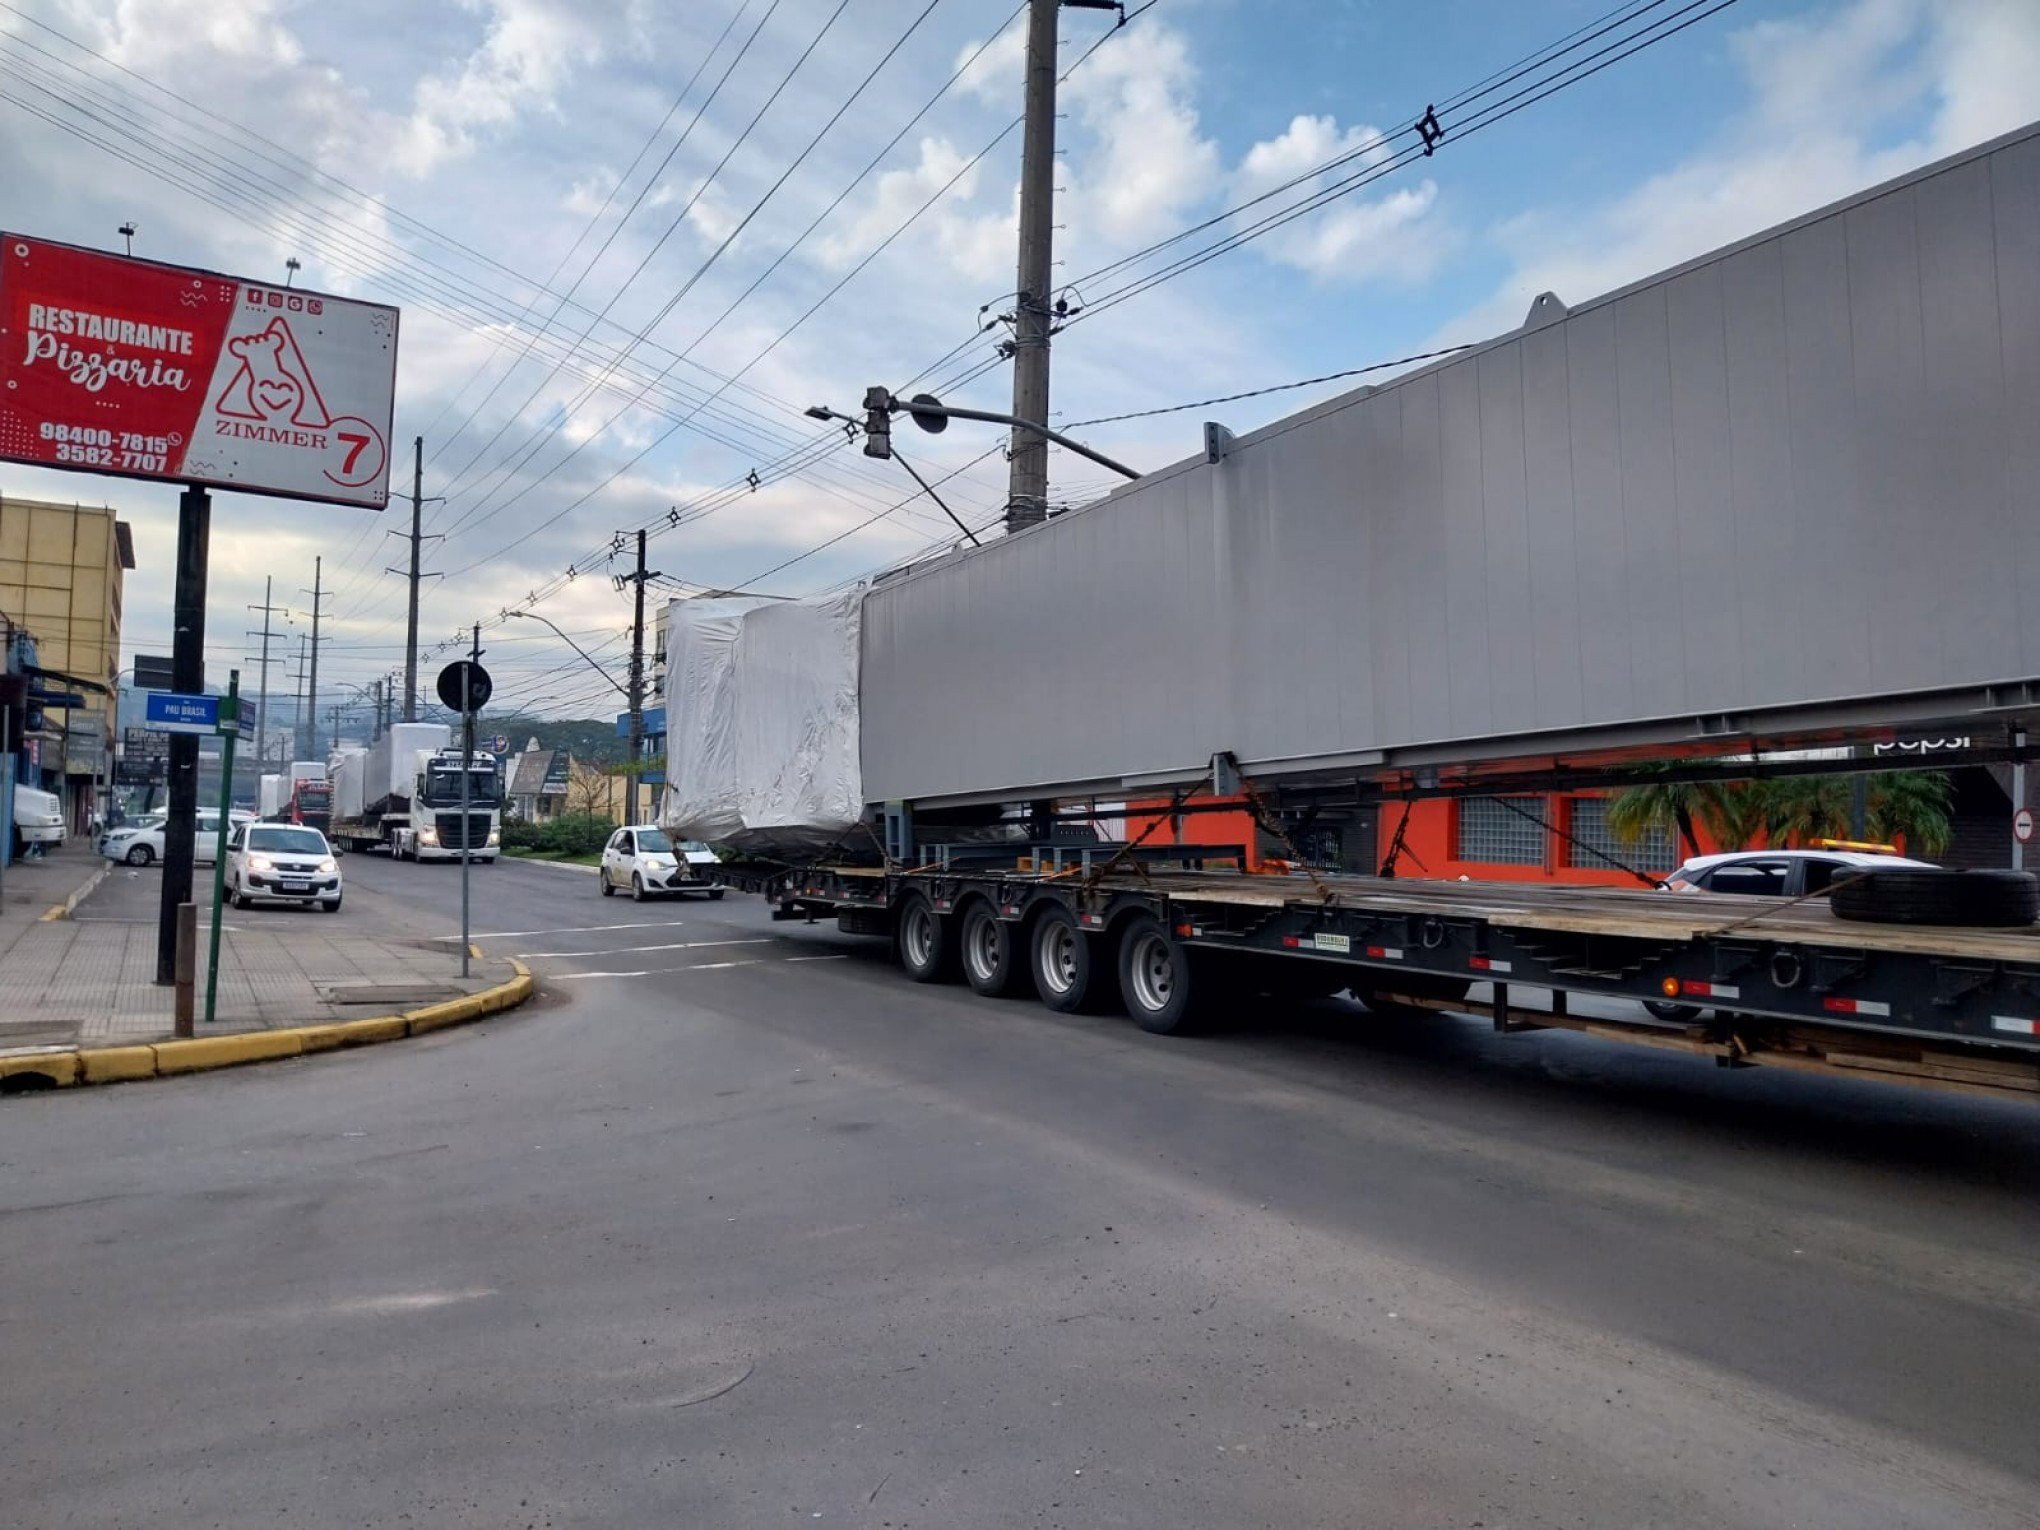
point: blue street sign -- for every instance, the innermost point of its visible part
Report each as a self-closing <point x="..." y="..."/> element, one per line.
<point x="174" y="712"/>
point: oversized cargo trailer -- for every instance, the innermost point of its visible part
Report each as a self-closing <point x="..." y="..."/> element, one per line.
<point x="411" y="798"/>
<point x="1784" y="494"/>
<point x="1787" y="489"/>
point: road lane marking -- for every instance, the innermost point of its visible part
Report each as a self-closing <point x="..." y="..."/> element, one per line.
<point x="756" y="961"/>
<point x="678" y="945"/>
<point x="570" y="929"/>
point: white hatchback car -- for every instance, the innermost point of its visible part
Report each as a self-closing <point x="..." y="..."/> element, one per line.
<point x="650" y="865"/>
<point x="141" y="844"/>
<point x="283" y="863"/>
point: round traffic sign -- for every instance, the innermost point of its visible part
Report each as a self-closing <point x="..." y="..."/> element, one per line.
<point x="477" y="686"/>
<point x="2022" y="826"/>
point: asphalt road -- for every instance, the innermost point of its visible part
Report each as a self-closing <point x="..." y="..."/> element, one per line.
<point x="736" y="1227"/>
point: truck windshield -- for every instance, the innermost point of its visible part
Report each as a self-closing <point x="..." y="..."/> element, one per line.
<point x="442" y="786"/>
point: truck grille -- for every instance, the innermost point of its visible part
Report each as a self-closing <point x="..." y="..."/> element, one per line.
<point x="448" y="825"/>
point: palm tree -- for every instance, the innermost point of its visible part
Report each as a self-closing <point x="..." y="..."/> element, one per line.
<point x="1671" y="806"/>
<point x="1803" y="808"/>
<point x="1914" y="804"/>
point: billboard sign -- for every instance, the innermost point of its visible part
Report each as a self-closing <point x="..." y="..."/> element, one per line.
<point x="140" y="370"/>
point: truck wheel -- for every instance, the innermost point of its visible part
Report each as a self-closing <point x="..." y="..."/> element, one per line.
<point x="1065" y="963"/>
<point x="989" y="960"/>
<point x="1666" y="1010"/>
<point x="926" y="943"/>
<point x="1918" y="895"/>
<point x="1161" y="986"/>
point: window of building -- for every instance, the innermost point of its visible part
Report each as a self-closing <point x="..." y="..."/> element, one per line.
<point x="1490" y="831"/>
<point x="1656" y="851"/>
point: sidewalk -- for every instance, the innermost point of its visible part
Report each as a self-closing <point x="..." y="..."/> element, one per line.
<point x="89" y="979"/>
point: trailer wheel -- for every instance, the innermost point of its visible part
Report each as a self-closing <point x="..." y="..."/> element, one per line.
<point x="1158" y="981"/>
<point x="1664" y="1009"/>
<point x="1918" y="895"/>
<point x="927" y="948"/>
<point x="1065" y="964"/>
<point x="989" y="960"/>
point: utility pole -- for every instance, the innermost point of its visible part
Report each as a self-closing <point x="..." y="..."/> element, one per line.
<point x="317" y="592"/>
<point x="338" y="708"/>
<point x="411" y="625"/>
<point x="637" y="684"/>
<point x="268" y="611"/>
<point x="1033" y="318"/>
<point x="297" y="724"/>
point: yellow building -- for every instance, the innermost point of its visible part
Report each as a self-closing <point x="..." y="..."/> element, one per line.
<point x="62" y="569"/>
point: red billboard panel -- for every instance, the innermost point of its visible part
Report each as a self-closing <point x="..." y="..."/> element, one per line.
<point x="115" y="365"/>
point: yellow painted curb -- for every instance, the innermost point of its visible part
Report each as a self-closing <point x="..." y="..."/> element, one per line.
<point x="115" y="1065"/>
<point x="60" y="1068"/>
<point x="225" y="1051"/>
<point x="353" y="1033"/>
<point x="108" y="1065"/>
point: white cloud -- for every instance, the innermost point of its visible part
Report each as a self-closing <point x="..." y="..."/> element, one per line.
<point x="1150" y="162"/>
<point x="1836" y="102"/>
<point x="530" y="49"/>
<point x="1390" y="236"/>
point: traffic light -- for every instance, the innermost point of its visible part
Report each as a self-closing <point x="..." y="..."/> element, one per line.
<point x="877" y="423"/>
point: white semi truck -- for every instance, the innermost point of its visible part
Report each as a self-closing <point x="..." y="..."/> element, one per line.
<point x="410" y="798"/>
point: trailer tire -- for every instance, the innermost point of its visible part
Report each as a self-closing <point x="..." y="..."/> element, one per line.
<point x="1065" y="963"/>
<point x="1666" y="1009"/>
<point x="991" y="964"/>
<point x="1161" y="986"/>
<point x="1917" y="895"/>
<point x="925" y="940"/>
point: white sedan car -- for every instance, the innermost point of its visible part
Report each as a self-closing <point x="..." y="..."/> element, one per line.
<point x="141" y="844"/>
<point x="283" y="863"/>
<point x="650" y="865"/>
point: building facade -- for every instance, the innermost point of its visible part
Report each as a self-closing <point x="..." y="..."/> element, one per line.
<point x="62" y="581"/>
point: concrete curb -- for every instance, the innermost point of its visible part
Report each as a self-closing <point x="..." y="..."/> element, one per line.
<point x="112" y="1065"/>
<point x="63" y="910"/>
<point x="526" y="860"/>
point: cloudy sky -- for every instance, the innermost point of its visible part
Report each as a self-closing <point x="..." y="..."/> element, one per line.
<point x="633" y="240"/>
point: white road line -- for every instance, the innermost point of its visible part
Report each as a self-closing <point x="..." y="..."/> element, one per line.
<point x="569" y="929"/>
<point x="678" y="945"/>
<point x="757" y="961"/>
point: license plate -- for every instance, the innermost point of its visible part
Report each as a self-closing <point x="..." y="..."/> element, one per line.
<point x="297" y="887"/>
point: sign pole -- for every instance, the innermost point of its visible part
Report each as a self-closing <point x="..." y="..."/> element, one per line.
<point x="467" y="760"/>
<point x="230" y="730"/>
<point x="187" y="675"/>
<point x="2021" y="813"/>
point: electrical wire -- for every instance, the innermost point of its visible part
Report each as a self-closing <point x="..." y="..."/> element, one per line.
<point x="1308" y="382"/>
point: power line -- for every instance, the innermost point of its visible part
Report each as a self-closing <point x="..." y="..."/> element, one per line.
<point x="1308" y="382"/>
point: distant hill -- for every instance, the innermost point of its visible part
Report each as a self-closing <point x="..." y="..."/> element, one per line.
<point x="592" y="740"/>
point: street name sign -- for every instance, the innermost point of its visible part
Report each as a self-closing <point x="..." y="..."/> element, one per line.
<point x="174" y="712"/>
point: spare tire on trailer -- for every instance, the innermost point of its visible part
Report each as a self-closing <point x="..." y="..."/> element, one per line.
<point x="1931" y="895"/>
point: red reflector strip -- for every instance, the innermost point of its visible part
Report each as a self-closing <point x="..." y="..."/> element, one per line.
<point x="1091" y="918"/>
<point x="1855" y="1007"/>
<point x="1487" y="964"/>
<point x="1011" y="908"/>
<point x="2015" y="1025"/>
<point x="1290" y="942"/>
<point x="1386" y="953"/>
<point x="1711" y="990"/>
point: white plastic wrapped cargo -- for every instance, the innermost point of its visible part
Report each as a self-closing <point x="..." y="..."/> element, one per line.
<point x="307" y="770"/>
<point x="347" y="771"/>
<point x="270" y="796"/>
<point x="390" y="768"/>
<point x="761" y="708"/>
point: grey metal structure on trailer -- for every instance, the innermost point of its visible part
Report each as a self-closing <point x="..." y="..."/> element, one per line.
<point x="1791" y="485"/>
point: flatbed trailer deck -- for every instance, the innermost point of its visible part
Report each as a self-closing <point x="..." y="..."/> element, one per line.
<point x="1784" y="984"/>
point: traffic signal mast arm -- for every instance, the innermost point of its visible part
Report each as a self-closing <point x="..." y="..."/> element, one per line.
<point x="933" y="416"/>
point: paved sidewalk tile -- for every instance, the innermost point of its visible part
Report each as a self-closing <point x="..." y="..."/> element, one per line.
<point x="90" y="979"/>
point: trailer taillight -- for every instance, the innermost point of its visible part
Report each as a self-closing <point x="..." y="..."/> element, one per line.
<point x="1670" y="986"/>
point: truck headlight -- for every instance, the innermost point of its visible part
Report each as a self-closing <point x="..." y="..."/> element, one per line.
<point x="495" y="836"/>
<point x="428" y="836"/>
